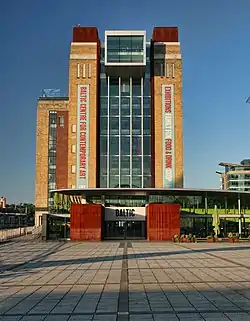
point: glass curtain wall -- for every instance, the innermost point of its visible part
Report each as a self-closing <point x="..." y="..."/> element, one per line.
<point x="52" y="157"/>
<point x="125" y="136"/>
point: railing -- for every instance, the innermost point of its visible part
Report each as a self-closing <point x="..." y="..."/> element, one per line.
<point x="21" y="231"/>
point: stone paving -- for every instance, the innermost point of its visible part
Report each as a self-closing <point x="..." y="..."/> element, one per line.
<point x="124" y="281"/>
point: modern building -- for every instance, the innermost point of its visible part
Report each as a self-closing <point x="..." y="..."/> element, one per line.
<point x="121" y="124"/>
<point x="235" y="176"/>
<point x="114" y="147"/>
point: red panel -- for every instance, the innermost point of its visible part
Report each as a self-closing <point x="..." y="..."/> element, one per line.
<point x="86" y="222"/>
<point x="62" y="151"/>
<point x="163" y="221"/>
<point x="85" y="34"/>
<point x="165" y="34"/>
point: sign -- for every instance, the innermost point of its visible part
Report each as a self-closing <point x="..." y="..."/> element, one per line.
<point x="125" y="213"/>
<point x="168" y="135"/>
<point x="82" y="136"/>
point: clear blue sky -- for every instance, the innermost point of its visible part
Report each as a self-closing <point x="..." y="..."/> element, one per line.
<point x="215" y="42"/>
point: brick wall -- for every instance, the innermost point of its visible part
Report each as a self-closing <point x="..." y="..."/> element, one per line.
<point x="62" y="151"/>
<point x="88" y="54"/>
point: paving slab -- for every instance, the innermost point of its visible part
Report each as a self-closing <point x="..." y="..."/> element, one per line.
<point x="124" y="281"/>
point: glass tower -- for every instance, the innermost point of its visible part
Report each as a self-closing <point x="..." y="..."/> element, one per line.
<point x="125" y="135"/>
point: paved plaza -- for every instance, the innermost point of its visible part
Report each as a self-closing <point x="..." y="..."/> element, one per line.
<point x="121" y="281"/>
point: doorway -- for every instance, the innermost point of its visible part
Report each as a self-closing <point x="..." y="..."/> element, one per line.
<point x="124" y="230"/>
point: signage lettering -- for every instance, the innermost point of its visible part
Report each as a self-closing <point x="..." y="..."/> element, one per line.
<point x="167" y="101"/>
<point x="125" y="212"/>
<point x="83" y="106"/>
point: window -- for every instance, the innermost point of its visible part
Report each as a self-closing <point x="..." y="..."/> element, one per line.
<point x="125" y="145"/>
<point x="114" y="145"/>
<point x="114" y="87"/>
<point x="104" y="125"/>
<point x="73" y="149"/>
<point x="136" y="181"/>
<point x="125" y="181"/>
<point x="114" y="125"/>
<point x="103" y="145"/>
<point x="136" y="106"/>
<point x="125" y="87"/>
<point x="136" y="145"/>
<point x="125" y="106"/>
<point x="136" y="86"/>
<point x="146" y="165"/>
<point x="113" y="181"/>
<point x="114" y="165"/>
<point x="114" y="106"/>
<point x="73" y="169"/>
<point x="104" y="106"/>
<point x="103" y="165"/>
<point x="159" y="69"/>
<point x="146" y="145"/>
<point x="125" y="125"/>
<point x="73" y="128"/>
<point x="125" y="165"/>
<point x="146" y="125"/>
<point x="61" y="121"/>
<point x="136" y="165"/>
<point x="136" y="125"/>
<point x="146" y="181"/>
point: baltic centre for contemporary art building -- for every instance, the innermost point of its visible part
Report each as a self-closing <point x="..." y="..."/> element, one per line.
<point x="115" y="144"/>
<point x="121" y="125"/>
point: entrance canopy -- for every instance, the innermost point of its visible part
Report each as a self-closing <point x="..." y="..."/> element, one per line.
<point x="85" y="192"/>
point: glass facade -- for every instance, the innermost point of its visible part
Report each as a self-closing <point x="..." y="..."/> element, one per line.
<point x="125" y="49"/>
<point x="52" y="157"/>
<point x="125" y="136"/>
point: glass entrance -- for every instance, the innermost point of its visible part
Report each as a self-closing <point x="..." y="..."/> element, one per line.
<point x="122" y="230"/>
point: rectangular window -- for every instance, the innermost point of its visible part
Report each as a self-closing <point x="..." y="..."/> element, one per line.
<point x="113" y="181"/>
<point x="136" y="181"/>
<point x="114" y="165"/>
<point x="136" y="165"/>
<point x="173" y="71"/>
<point x="61" y="121"/>
<point x="125" y="145"/>
<point x="136" y="106"/>
<point x="114" y="125"/>
<point x="125" y="125"/>
<point x="73" y="149"/>
<point x="103" y="181"/>
<point x="114" y="87"/>
<point x="104" y="106"/>
<point x="78" y="70"/>
<point x="73" y="128"/>
<point x="114" y="145"/>
<point x="114" y="106"/>
<point x="146" y="145"/>
<point x="136" y="125"/>
<point x="103" y="145"/>
<point x="146" y="125"/>
<point x="104" y="125"/>
<point x="125" y="106"/>
<point x="136" y="145"/>
<point x="136" y="86"/>
<point x="83" y="71"/>
<point x="125" y="165"/>
<point x="73" y="169"/>
<point x="89" y="70"/>
<point x="103" y="165"/>
<point x="125" y="87"/>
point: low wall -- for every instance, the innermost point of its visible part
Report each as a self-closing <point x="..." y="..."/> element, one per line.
<point x="15" y="232"/>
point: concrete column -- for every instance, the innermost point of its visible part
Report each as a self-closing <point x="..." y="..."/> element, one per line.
<point x="239" y="212"/>
<point x="205" y="204"/>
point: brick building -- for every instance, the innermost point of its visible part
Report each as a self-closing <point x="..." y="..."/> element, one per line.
<point x="121" y="124"/>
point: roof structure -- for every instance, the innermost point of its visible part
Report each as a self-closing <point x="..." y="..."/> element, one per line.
<point x="153" y="191"/>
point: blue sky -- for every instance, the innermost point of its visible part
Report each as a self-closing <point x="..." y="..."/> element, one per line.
<point x="214" y="35"/>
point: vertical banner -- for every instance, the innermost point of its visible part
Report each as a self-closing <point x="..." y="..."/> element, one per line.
<point x="82" y="136"/>
<point x="168" y="136"/>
